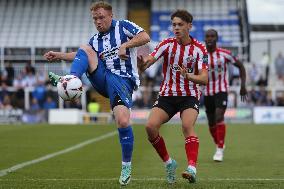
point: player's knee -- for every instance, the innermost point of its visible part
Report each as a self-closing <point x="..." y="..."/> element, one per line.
<point x="123" y="122"/>
<point x="188" y="130"/>
<point x="219" y="118"/>
<point x="150" y="128"/>
<point x="187" y="127"/>
<point x="211" y="123"/>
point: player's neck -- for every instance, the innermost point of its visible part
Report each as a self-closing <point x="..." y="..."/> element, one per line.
<point x="186" y="40"/>
<point x="211" y="49"/>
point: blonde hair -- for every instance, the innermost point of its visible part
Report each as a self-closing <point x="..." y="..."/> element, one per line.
<point x="101" y="4"/>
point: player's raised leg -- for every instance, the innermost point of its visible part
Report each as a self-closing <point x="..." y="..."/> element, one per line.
<point x="85" y="60"/>
<point x="156" y="119"/>
<point x="191" y="143"/>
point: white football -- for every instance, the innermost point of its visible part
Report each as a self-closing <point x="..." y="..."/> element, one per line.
<point x="69" y="87"/>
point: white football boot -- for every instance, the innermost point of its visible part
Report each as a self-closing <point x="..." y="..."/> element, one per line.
<point x="219" y="154"/>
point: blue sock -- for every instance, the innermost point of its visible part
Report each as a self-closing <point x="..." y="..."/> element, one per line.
<point x="80" y="64"/>
<point x="126" y="140"/>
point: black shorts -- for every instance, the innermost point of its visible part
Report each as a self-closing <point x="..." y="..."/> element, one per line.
<point x="219" y="100"/>
<point x="174" y="104"/>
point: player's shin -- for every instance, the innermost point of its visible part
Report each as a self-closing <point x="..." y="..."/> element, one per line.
<point x="126" y="140"/>
<point x="159" y="144"/>
<point x="80" y="64"/>
<point x="213" y="132"/>
<point x="221" y="132"/>
<point x="191" y="148"/>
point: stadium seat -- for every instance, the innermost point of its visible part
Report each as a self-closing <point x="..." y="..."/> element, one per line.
<point x="221" y="15"/>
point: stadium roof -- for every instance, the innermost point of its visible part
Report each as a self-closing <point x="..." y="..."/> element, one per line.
<point x="266" y="12"/>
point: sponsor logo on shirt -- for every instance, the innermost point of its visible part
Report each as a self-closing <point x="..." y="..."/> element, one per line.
<point x="177" y="69"/>
<point x="108" y="54"/>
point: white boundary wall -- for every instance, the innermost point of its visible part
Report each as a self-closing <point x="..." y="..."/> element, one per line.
<point x="273" y="115"/>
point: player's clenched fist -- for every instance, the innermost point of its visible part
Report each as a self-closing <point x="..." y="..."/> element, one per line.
<point x="52" y="56"/>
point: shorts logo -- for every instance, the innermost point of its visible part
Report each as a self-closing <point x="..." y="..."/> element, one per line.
<point x="196" y="106"/>
<point x="127" y="100"/>
<point x="224" y="103"/>
<point x="155" y="103"/>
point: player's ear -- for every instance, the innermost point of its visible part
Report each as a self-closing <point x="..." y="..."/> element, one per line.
<point x="111" y="14"/>
<point x="189" y="26"/>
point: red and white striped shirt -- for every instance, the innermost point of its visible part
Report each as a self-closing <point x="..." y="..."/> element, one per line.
<point x="218" y="76"/>
<point x="192" y="56"/>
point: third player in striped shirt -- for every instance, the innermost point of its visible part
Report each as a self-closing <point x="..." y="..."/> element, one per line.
<point x="216" y="91"/>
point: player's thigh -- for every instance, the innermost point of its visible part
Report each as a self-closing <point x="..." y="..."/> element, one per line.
<point x="98" y="79"/>
<point x="118" y="86"/>
<point x="220" y="114"/>
<point x="92" y="57"/>
<point x="157" y="117"/>
<point x="188" y="117"/>
<point x="211" y="119"/>
<point x="210" y="108"/>
<point x="189" y="109"/>
<point x="221" y="101"/>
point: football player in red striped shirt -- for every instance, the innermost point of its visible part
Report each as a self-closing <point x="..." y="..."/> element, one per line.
<point x="184" y="69"/>
<point x="216" y="91"/>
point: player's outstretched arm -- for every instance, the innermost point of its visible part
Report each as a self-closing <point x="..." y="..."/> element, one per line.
<point x="138" y="40"/>
<point x="145" y="62"/>
<point x="243" y="90"/>
<point x="201" y="78"/>
<point x="54" y="56"/>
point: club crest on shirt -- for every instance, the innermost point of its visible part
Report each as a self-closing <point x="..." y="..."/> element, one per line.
<point x="190" y="58"/>
<point x="219" y="62"/>
<point x="205" y="59"/>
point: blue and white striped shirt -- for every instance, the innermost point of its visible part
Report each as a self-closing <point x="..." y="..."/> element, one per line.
<point x="107" y="45"/>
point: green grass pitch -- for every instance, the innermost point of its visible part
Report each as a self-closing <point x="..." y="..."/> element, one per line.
<point x="254" y="158"/>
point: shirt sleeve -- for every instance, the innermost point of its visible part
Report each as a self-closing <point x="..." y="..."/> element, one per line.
<point x="203" y="61"/>
<point x="160" y="49"/>
<point x="230" y="58"/>
<point x="130" y="29"/>
<point x="93" y="44"/>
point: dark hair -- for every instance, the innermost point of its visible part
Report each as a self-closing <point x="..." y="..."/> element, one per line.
<point x="182" y="14"/>
<point x="213" y="30"/>
<point x="101" y="4"/>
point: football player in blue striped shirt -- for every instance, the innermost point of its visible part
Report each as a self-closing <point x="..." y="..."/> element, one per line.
<point x="110" y="62"/>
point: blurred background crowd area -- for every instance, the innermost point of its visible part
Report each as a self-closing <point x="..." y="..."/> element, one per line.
<point x="21" y="79"/>
<point x="29" y="28"/>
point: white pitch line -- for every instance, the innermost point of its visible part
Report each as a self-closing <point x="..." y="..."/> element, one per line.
<point x="146" y="179"/>
<point x="48" y="156"/>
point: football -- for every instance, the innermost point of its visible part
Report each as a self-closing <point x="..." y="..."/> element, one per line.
<point x="69" y="87"/>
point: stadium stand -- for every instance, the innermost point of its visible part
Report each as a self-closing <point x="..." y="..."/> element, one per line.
<point x="49" y="23"/>
<point x="220" y="14"/>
